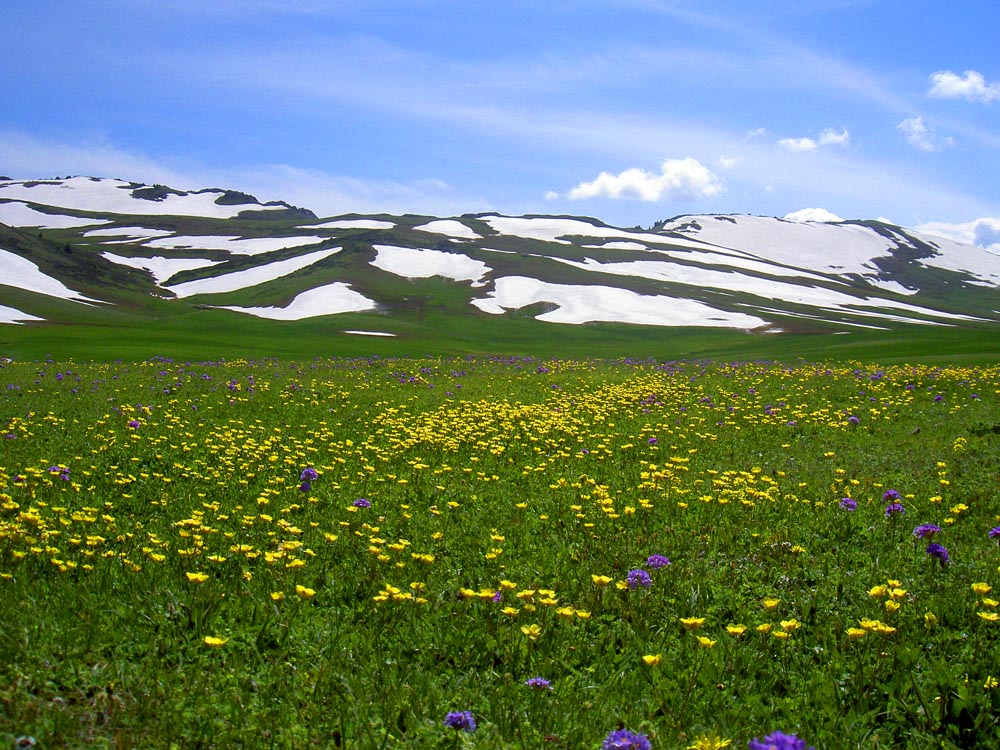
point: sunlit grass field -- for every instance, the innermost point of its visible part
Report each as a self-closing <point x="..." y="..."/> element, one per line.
<point x="347" y="553"/>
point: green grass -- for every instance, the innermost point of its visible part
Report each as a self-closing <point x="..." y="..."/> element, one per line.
<point x="165" y="581"/>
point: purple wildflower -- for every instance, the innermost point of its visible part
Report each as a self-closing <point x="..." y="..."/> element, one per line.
<point x="938" y="552"/>
<point x="853" y="420"/>
<point x="538" y="683"/>
<point x="890" y="496"/>
<point x="657" y="561"/>
<point x="926" y="531"/>
<point x="995" y="533"/>
<point x="460" y="720"/>
<point x="894" y="509"/>
<point x="848" y="504"/>
<point x="638" y="578"/>
<point x="362" y="502"/>
<point x="497" y="596"/>
<point x="308" y="474"/>
<point x="624" y="739"/>
<point x="652" y="441"/>
<point x="305" y="487"/>
<point x="779" y="741"/>
<point x="133" y="424"/>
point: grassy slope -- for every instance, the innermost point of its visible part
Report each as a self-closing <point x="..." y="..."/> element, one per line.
<point x="428" y="315"/>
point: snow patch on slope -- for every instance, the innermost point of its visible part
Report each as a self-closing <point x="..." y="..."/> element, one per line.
<point x="584" y="304"/>
<point x="130" y="233"/>
<point x="236" y="280"/>
<point x="836" y="248"/>
<point x="450" y="228"/>
<point x="415" y="263"/>
<point x="21" y="273"/>
<point x="16" y="214"/>
<point x="330" y="299"/>
<point x="15" y="316"/>
<point x="115" y="196"/>
<point x="161" y="268"/>
<point x="234" y="245"/>
<point x="351" y="224"/>
<point x="957" y="256"/>
<point x="551" y="229"/>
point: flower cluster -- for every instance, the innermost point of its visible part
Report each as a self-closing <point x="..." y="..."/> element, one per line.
<point x="625" y="739"/>
<point x="779" y="741"/>
<point x="460" y="720"/>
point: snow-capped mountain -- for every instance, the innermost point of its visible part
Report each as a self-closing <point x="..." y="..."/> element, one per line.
<point x="109" y="245"/>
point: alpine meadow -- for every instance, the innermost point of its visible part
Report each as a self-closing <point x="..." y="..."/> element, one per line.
<point x="271" y="480"/>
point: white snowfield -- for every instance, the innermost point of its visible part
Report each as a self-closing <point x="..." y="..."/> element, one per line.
<point x="417" y="263"/>
<point x="15" y="316"/>
<point x="17" y="214"/>
<point x="578" y="304"/>
<point x="234" y="245"/>
<point x="161" y="268"/>
<point x="774" y="289"/>
<point x="129" y="233"/>
<point x="449" y="228"/>
<point x="21" y="273"/>
<point x="108" y="196"/>
<point x="551" y="229"/>
<point x="231" y="282"/>
<point x="352" y="224"/>
<point x="830" y="248"/>
<point x="330" y="299"/>
<point x="956" y="256"/>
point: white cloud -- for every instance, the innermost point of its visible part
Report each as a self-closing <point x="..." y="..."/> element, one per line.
<point x="812" y="214"/>
<point x="984" y="232"/>
<point x="972" y="87"/>
<point x="798" y="144"/>
<point x="727" y="162"/>
<point x="921" y="135"/>
<point x="831" y="137"/>
<point x="682" y="179"/>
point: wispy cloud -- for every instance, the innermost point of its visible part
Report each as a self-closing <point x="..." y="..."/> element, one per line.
<point x="984" y="232"/>
<point x="798" y="144"/>
<point x="831" y="137"/>
<point x="828" y="137"/>
<point x="922" y="136"/>
<point x="678" y="179"/>
<point x="972" y="87"/>
<point x="27" y="157"/>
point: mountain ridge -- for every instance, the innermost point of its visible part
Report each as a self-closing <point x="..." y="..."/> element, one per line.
<point x="150" y="252"/>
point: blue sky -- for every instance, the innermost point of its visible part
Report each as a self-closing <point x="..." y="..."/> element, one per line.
<point x="630" y="111"/>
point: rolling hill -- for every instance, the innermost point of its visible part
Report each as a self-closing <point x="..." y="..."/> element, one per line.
<point x="108" y="262"/>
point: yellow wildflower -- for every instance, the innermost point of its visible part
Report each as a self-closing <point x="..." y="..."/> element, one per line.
<point x="652" y="660"/>
<point x="709" y="742"/>
<point x="532" y="631"/>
